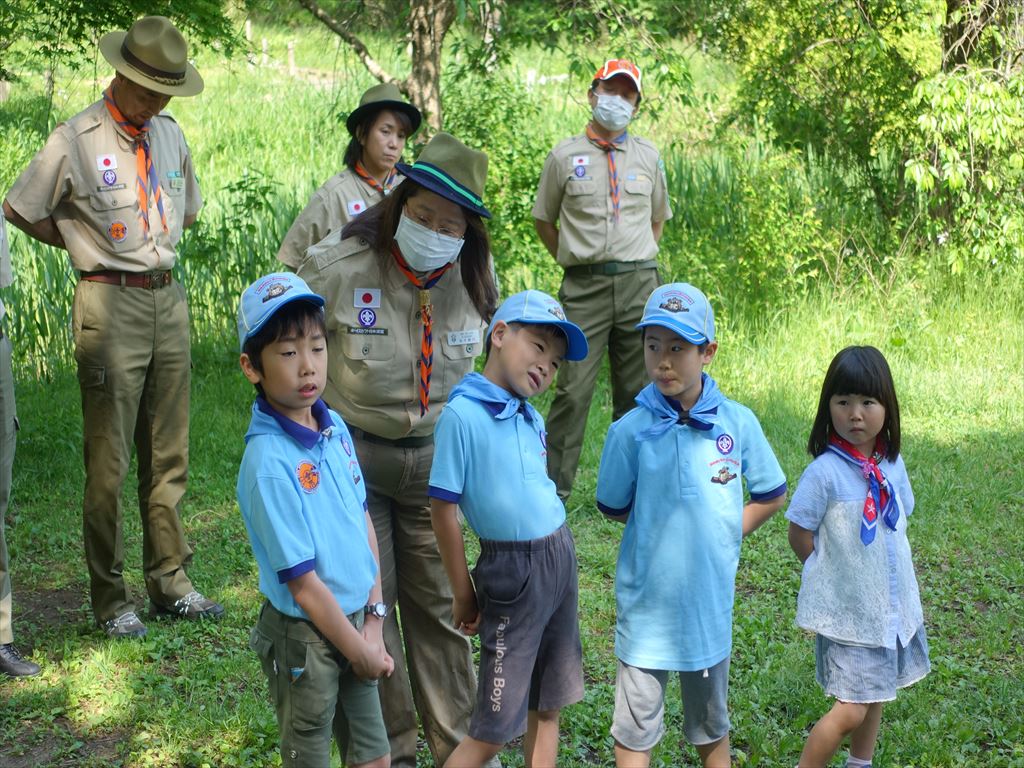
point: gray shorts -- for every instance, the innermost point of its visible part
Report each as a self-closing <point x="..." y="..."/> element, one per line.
<point x="859" y="675"/>
<point x="639" y="720"/>
<point x="530" y="652"/>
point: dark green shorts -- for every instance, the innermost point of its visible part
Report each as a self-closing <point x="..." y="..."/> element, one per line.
<point x="316" y="693"/>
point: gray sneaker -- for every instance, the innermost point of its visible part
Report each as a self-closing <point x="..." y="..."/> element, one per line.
<point x="191" y="606"/>
<point x="125" y="625"/>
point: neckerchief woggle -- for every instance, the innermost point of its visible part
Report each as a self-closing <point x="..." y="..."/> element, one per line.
<point x="608" y="147"/>
<point x="385" y="188"/>
<point x="880" y="497"/>
<point x="426" y="319"/>
<point x="501" y="403"/>
<point x="144" y="169"/>
<point x="702" y="416"/>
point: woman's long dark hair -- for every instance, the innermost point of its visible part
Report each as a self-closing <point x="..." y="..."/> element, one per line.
<point x="858" y="371"/>
<point x="354" y="150"/>
<point x="378" y="225"/>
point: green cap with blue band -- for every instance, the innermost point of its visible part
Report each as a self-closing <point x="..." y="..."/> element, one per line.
<point x="452" y="170"/>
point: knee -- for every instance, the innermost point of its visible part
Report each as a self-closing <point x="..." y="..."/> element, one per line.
<point x="546" y="716"/>
<point x="849" y="716"/>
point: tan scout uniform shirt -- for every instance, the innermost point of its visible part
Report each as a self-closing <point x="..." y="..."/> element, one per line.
<point x="97" y="215"/>
<point x="374" y="333"/>
<point x="334" y="205"/>
<point x="574" y="192"/>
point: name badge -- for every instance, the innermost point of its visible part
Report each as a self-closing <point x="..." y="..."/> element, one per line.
<point x="581" y="160"/>
<point x="366" y="298"/>
<point x="460" y="338"/>
<point x="355" y="207"/>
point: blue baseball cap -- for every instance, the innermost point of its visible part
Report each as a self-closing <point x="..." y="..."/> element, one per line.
<point x="267" y="295"/>
<point x="682" y="309"/>
<point x="539" y="308"/>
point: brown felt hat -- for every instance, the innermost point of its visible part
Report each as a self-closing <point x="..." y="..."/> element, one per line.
<point x="383" y="96"/>
<point x="153" y="54"/>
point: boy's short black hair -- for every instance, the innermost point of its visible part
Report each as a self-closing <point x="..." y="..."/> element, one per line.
<point x="300" y="318"/>
<point x="549" y="328"/>
<point x="643" y="338"/>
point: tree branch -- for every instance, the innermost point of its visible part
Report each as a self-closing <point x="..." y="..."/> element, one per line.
<point x="357" y="45"/>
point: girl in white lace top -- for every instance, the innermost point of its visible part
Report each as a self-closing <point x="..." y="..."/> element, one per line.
<point x="848" y="525"/>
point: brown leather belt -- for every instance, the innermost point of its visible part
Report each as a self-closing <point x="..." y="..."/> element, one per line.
<point x="149" y="280"/>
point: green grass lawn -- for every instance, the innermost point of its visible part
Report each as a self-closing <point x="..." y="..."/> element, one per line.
<point x="192" y="695"/>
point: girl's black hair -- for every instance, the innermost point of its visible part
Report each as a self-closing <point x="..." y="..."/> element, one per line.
<point x="378" y="225"/>
<point x="858" y="371"/>
<point x="354" y="150"/>
<point x="298" y="318"/>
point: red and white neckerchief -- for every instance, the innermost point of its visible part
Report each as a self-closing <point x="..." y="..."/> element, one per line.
<point x="880" y="498"/>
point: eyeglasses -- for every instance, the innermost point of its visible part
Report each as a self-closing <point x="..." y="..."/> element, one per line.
<point x="421" y="218"/>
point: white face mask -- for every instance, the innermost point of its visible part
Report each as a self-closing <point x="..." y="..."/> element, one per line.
<point x="612" y="112"/>
<point x="424" y="250"/>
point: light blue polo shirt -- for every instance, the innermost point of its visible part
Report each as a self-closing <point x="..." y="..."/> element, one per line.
<point x="683" y="489"/>
<point x="490" y="458"/>
<point x="303" y="499"/>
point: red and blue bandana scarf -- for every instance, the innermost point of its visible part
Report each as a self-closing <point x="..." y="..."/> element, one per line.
<point x="880" y="499"/>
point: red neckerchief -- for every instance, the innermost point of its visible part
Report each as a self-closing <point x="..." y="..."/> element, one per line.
<point x="880" y="498"/>
<point x="426" y="319"/>
<point x="384" y="189"/>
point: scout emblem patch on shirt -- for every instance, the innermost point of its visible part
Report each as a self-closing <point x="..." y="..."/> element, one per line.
<point x="106" y="162"/>
<point x="309" y="476"/>
<point x="723" y="477"/>
<point x="356" y="207"/>
<point x="580" y="171"/>
<point x="367" y="318"/>
<point x="346" y="446"/>
<point x="109" y="177"/>
<point x="117" y="231"/>
<point x="724" y="444"/>
<point x="353" y="467"/>
<point x="366" y="297"/>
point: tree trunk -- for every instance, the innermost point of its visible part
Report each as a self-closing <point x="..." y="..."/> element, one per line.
<point x="429" y="21"/>
<point x="965" y="21"/>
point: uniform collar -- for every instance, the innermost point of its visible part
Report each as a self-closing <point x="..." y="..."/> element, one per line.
<point x="303" y="435"/>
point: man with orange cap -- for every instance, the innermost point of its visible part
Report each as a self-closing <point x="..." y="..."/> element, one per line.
<point x="115" y="187"/>
<point x="601" y="206"/>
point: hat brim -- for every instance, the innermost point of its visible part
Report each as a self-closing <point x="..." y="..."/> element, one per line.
<point x="692" y="336"/>
<point x="356" y="115"/>
<point x="629" y="75"/>
<point x="447" y="191"/>
<point x="110" y="46"/>
<point x="576" y="345"/>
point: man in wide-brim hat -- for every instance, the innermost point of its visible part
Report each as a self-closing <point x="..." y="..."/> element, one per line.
<point x="115" y="187"/>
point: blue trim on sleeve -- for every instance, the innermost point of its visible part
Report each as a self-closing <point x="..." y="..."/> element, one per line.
<point x="283" y="577"/>
<point x="768" y="496"/>
<point x="614" y="511"/>
<point x="433" y="492"/>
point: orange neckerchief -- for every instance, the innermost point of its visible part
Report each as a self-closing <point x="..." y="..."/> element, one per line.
<point x="144" y="170"/>
<point x="613" y="177"/>
<point x="426" y="319"/>
<point x="389" y="182"/>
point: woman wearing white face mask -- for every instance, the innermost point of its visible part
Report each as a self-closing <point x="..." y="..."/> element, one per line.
<point x="410" y="289"/>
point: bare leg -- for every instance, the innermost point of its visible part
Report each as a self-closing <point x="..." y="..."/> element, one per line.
<point x="540" y="747"/>
<point x="627" y="758"/>
<point x="829" y="732"/>
<point x="715" y="754"/>
<point x="865" y="736"/>
<point x="472" y="753"/>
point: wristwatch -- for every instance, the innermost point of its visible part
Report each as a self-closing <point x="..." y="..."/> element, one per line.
<point x="380" y="610"/>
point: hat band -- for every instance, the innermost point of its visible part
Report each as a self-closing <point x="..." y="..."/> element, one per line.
<point x="160" y="75"/>
<point x="448" y="182"/>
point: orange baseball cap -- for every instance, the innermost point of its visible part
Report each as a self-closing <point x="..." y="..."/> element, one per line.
<point x="614" y="67"/>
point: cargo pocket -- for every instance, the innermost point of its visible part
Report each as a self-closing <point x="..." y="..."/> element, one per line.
<point x="263" y="647"/>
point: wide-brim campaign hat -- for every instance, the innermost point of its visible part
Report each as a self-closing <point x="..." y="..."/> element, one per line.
<point x="682" y="309"/>
<point x="265" y="297"/>
<point x="449" y="168"/>
<point x="383" y="96"/>
<point x="153" y="54"/>
<point x="537" y="308"/>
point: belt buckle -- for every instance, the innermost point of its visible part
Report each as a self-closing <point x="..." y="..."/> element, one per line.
<point x="613" y="268"/>
<point x="154" y="280"/>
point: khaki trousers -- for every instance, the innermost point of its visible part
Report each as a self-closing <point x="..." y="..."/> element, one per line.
<point x="434" y="672"/>
<point x="134" y="368"/>
<point x="607" y="309"/>
<point x="8" y="434"/>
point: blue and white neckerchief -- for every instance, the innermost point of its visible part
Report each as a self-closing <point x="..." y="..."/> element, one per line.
<point x="702" y="416"/>
<point x="499" y="402"/>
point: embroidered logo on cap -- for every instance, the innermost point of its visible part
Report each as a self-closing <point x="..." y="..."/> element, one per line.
<point x="673" y="304"/>
<point x="557" y="312"/>
<point x="275" y="290"/>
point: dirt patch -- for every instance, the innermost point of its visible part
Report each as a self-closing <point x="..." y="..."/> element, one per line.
<point x="51" y="608"/>
<point x="57" y="748"/>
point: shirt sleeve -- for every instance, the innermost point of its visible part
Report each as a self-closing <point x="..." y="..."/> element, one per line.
<point x="276" y="518"/>
<point x="810" y="499"/>
<point x="451" y="451"/>
<point x="660" y="209"/>
<point x="310" y="227"/>
<point x="549" y="192"/>
<point x="47" y="180"/>
<point x="764" y="477"/>
<point x="616" y="478"/>
<point x="903" y="487"/>
<point x="193" y="196"/>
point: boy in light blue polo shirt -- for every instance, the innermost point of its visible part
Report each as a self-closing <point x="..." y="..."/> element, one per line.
<point x="673" y="470"/>
<point x="303" y="500"/>
<point x="490" y="458"/>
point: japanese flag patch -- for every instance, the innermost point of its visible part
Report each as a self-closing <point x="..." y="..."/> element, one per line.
<point x="106" y="162"/>
<point x="366" y="298"/>
<point x="580" y="160"/>
<point x="356" y="207"/>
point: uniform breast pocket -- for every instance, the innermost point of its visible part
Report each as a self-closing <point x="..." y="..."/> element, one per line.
<point x="116" y="216"/>
<point x="577" y="187"/>
<point x="457" y="360"/>
<point x="639" y="187"/>
<point x="367" y="347"/>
